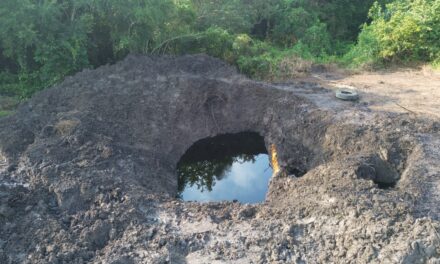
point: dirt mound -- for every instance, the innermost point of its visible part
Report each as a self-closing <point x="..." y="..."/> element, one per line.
<point x="88" y="172"/>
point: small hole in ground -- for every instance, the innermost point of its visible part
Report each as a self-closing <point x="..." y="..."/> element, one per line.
<point x="297" y="172"/>
<point x="385" y="185"/>
<point x="379" y="171"/>
<point x="226" y="167"/>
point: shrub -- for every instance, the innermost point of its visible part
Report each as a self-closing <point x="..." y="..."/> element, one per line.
<point x="404" y="30"/>
<point x="317" y="39"/>
<point x="259" y="67"/>
<point x="293" y="67"/>
<point x="292" y="25"/>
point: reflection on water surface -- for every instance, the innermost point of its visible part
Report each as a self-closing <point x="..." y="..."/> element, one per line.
<point x="226" y="167"/>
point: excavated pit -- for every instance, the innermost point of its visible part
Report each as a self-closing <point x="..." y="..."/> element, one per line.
<point x="88" y="172"/>
<point x="230" y="167"/>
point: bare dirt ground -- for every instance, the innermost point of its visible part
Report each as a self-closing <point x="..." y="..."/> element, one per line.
<point x="415" y="91"/>
<point x="87" y="168"/>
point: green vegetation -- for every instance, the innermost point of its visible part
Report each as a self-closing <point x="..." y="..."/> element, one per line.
<point x="403" y="31"/>
<point x="4" y="113"/>
<point x="42" y="41"/>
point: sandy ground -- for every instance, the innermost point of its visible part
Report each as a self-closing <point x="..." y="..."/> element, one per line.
<point x="416" y="91"/>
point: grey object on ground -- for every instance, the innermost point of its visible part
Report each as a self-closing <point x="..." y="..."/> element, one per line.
<point x="347" y="94"/>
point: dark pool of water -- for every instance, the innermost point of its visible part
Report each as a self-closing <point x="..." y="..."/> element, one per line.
<point x="225" y="168"/>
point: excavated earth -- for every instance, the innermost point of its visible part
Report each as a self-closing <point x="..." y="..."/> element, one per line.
<point x="88" y="172"/>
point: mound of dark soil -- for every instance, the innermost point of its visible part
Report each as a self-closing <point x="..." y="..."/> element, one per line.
<point x="88" y="173"/>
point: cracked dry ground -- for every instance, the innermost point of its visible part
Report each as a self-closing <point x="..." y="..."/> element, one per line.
<point x="87" y="172"/>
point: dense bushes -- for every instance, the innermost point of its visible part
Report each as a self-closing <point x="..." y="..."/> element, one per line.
<point x="39" y="49"/>
<point x="43" y="41"/>
<point x="406" y="30"/>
